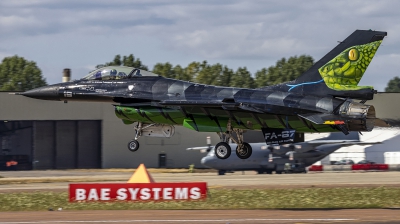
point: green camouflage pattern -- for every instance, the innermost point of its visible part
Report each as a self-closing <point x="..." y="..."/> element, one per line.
<point x="345" y="71"/>
<point x="202" y="123"/>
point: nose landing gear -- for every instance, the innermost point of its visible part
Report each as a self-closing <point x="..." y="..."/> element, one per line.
<point x="133" y="145"/>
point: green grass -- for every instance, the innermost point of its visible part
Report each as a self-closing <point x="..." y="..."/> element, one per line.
<point x="305" y="198"/>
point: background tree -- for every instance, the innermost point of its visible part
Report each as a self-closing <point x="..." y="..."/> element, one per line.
<point x="242" y="79"/>
<point x="209" y="74"/>
<point x="393" y="85"/>
<point x="220" y="75"/>
<point x="129" y="61"/>
<point x="225" y="78"/>
<point x="284" y="70"/>
<point x="169" y="71"/>
<point x="18" y="74"/>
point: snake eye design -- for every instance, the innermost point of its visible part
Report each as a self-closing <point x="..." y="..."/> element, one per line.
<point x="353" y="54"/>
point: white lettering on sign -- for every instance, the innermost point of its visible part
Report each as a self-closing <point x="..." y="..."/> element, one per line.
<point x="80" y="194"/>
<point x="105" y="194"/>
<point x="145" y="194"/>
<point x="167" y="193"/>
<point x="195" y="193"/>
<point x="133" y="192"/>
<point x="121" y="194"/>
<point x="156" y="193"/>
<point x="181" y="193"/>
<point x="93" y="195"/>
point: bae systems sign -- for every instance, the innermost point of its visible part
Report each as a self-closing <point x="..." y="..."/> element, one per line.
<point x="137" y="192"/>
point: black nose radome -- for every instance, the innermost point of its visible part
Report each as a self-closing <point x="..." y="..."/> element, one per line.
<point x="43" y="93"/>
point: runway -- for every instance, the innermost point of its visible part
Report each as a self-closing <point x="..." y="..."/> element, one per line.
<point x="36" y="180"/>
<point x="204" y="216"/>
<point x="59" y="180"/>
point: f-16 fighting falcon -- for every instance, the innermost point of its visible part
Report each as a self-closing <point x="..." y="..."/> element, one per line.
<point x="326" y="98"/>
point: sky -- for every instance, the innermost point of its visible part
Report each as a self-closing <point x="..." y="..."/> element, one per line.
<point x="79" y="34"/>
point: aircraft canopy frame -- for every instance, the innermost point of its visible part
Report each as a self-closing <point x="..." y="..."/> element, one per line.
<point x="116" y="73"/>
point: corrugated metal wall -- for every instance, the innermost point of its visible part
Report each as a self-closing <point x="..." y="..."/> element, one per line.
<point x="67" y="144"/>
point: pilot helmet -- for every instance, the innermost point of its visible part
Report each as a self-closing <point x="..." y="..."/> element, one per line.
<point x="97" y="75"/>
<point x="113" y="72"/>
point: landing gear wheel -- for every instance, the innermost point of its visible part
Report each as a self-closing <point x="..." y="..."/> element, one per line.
<point x="245" y="151"/>
<point x="133" y="145"/>
<point x="222" y="150"/>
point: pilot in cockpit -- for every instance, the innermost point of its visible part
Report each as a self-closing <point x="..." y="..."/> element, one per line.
<point x="97" y="76"/>
<point x="113" y="74"/>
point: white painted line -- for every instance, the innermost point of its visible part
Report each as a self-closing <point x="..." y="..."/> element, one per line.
<point x="173" y="220"/>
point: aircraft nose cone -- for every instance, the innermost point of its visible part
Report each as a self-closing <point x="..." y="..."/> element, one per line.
<point x="206" y="161"/>
<point x="203" y="160"/>
<point x="43" y="93"/>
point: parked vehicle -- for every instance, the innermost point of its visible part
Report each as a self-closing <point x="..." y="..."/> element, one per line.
<point x="366" y="162"/>
<point x="344" y="162"/>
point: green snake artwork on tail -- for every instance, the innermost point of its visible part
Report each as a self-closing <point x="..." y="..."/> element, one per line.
<point x="345" y="71"/>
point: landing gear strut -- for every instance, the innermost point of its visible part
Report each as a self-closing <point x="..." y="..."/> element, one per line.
<point x="223" y="150"/>
<point x="133" y="145"/>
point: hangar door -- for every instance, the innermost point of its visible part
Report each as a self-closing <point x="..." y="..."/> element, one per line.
<point x="66" y="144"/>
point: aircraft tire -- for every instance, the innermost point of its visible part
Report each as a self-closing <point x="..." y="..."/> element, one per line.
<point x="222" y="150"/>
<point x="244" y="153"/>
<point x="221" y="172"/>
<point x="133" y="145"/>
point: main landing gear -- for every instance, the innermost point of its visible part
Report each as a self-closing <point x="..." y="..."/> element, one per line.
<point x="223" y="150"/>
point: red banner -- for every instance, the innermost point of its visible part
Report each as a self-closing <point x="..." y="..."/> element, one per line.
<point x="137" y="192"/>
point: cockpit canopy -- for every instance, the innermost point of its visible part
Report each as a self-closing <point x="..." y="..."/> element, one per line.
<point x="116" y="73"/>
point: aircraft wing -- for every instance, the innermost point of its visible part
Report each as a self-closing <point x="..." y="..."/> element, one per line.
<point x="347" y="143"/>
<point x="200" y="148"/>
<point x="344" y="142"/>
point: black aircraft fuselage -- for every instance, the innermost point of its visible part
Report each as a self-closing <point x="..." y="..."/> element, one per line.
<point x="320" y="100"/>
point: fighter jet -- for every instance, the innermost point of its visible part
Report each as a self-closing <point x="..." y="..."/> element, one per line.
<point x="326" y="98"/>
<point x="284" y="158"/>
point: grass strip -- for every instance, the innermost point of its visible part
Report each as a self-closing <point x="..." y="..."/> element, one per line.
<point x="305" y="198"/>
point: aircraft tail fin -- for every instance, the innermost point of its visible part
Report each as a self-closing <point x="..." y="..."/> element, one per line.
<point x="339" y="72"/>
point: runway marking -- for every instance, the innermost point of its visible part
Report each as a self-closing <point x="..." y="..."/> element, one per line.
<point x="173" y="220"/>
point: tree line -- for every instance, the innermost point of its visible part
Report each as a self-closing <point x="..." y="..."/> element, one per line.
<point x="19" y="74"/>
<point x="221" y="75"/>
